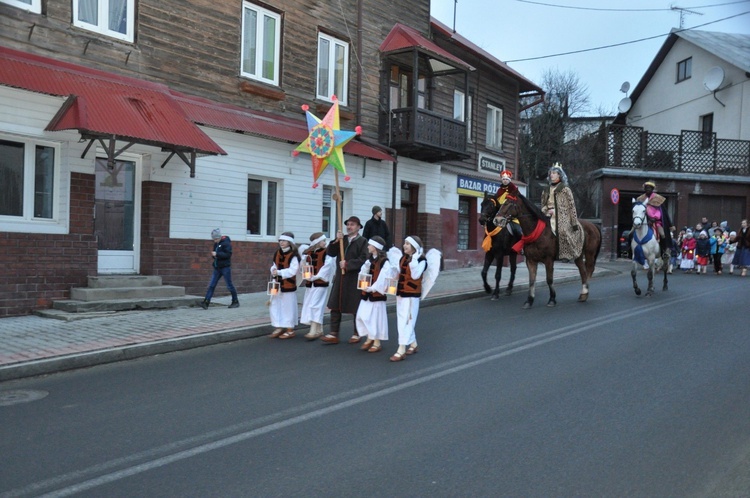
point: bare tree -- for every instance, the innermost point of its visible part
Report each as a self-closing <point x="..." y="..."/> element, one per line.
<point x="547" y="137"/>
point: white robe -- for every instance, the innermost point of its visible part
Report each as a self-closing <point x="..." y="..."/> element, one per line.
<point x="372" y="317"/>
<point x="316" y="298"/>
<point x="407" y="309"/>
<point x="283" y="308"/>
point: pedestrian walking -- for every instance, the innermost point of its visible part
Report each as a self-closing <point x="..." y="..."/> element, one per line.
<point x="377" y="226"/>
<point x="222" y="267"/>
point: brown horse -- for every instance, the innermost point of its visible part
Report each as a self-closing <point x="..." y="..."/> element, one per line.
<point x="543" y="247"/>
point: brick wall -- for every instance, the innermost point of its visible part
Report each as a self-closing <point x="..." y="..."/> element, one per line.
<point x="40" y="268"/>
<point x="187" y="262"/>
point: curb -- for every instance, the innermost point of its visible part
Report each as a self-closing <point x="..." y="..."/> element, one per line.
<point x="133" y="351"/>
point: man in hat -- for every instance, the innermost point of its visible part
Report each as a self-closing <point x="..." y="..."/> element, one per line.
<point x="345" y="297"/>
<point x="376" y="226"/>
<point x="657" y="215"/>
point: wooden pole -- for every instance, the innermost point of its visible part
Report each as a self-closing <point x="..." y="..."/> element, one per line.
<point x="339" y="216"/>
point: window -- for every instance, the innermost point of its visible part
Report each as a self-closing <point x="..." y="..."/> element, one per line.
<point x="333" y="68"/>
<point x="464" y="227"/>
<point x="34" y="6"/>
<point x="262" y="202"/>
<point x="684" y="69"/>
<point x="461" y="114"/>
<point x="402" y="93"/>
<point x="330" y="221"/>
<point x="494" y="127"/>
<point x="113" y="18"/>
<point x="28" y="175"/>
<point x="707" y="127"/>
<point x="261" y="44"/>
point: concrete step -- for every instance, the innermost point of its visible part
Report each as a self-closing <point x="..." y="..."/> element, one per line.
<point x="72" y="306"/>
<point x="110" y="293"/>
<point x="107" y="281"/>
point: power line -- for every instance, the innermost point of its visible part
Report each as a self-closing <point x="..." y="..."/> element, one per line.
<point x="627" y="10"/>
<point x="621" y="44"/>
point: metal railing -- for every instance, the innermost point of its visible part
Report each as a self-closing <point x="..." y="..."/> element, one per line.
<point x="689" y="152"/>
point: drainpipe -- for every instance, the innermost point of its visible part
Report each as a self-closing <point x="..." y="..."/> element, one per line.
<point x="359" y="58"/>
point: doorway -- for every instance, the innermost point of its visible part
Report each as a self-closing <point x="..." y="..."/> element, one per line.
<point x="117" y="216"/>
<point x="409" y="209"/>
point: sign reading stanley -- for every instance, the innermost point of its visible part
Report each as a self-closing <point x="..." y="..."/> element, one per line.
<point x="476" y="188"/>
<point x="487" y="163"/>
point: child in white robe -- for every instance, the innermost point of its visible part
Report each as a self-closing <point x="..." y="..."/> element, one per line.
<point x="411" y="266"/>
<point x="283" y="305"/>
<point x="372" y="316"/>
<point x="317" y="284"/>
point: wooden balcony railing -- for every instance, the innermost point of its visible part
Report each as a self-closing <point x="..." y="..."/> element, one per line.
<point x="425" y="134"/>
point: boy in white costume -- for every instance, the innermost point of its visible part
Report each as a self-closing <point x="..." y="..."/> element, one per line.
<point x="372" y="316"/>
<point x="283" y="306"/>
<point x="317" y="285"/>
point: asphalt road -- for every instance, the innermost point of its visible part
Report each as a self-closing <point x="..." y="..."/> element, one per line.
<point x="620" y="396"/>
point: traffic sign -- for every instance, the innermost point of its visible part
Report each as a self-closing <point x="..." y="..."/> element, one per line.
<point x="614" y="195"/>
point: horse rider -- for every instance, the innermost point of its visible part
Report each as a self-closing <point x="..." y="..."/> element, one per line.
<point x="558" y="204"/>
<point x="508" y="189"/>
<point x="657" y="215"/>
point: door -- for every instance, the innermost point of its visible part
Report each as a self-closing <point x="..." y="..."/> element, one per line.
<point x="409" y="208"/>
<point x="117" y="216"/>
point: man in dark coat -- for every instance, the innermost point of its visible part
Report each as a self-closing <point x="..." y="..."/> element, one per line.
<point x="345" y="297"/>
<point x="377" y="226"/>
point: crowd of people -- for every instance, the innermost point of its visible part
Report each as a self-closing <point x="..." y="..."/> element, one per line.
<point x="713" y="244"/>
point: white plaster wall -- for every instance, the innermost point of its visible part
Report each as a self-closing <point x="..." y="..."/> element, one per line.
<point x="669" y="107"/>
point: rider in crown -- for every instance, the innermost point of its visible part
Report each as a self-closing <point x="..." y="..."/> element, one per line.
<point x="508" y="189"/>
<point x="657" y="214"/>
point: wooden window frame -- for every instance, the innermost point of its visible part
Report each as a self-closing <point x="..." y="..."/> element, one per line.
<point x="256" y="72"/>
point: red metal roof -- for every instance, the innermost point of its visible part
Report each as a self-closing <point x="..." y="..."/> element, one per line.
<point x="103" y="103"/>
<point x="404" y="37"/>
<point x="233" y="118"/>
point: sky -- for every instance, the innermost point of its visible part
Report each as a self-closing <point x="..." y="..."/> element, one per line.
<point x="514" y="30"/>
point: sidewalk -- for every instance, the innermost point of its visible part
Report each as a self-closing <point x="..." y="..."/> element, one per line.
<point x="31" y="345"/>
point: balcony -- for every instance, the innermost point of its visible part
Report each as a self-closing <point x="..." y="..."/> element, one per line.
<point x="425" y="135"/>
<point x="689" y="152"/>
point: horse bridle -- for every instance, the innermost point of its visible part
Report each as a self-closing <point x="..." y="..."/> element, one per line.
<point x="642" y="218"/>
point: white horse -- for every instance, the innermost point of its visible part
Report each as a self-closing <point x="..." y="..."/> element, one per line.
<point x="646" y="249"/>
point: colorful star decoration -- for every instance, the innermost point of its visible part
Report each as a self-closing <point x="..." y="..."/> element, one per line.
<point x="326" y="141"/>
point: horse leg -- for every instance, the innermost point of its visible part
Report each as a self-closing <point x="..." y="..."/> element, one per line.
<point x="485" y="268"/>
<point x="583" y="297"/>
<point x="650" y="273"/>
<point x="634" y="274"/>
<point x="513" y="266"/>
<point x="665" y="285"/>
<point x="532" y="267"/>
<point x="550" y="267"/>
<point x="498" y="274"/>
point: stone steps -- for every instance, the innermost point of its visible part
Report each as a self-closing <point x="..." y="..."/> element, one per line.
<point x="116" y="293"/>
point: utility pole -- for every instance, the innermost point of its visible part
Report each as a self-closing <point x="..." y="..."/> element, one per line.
<point x="682" y="14"/>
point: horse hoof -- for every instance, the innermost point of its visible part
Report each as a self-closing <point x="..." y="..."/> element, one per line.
<point x="494" y="297"/>
<point x="552" y="304"/>
<point x="526" y="306"/>
<point x="488" y="289"/>
<point x="583" y="298"/>
<point x="638" y="292"/>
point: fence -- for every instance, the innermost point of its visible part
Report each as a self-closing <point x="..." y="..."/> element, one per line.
<point x="689" y="152"/>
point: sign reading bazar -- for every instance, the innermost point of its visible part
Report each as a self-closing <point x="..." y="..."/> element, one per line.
<point x="475" y="187"/>
<point x="487" y="163"/>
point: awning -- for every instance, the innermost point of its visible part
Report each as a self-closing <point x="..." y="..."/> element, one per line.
<point x="404" y="38"/>
<point x="106" y="107"/>
<point x="233" y="118"/>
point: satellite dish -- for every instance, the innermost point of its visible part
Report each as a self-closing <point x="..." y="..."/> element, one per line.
<point x="624" y="105"/>
<point x="625" y="87"/>
<point x="713" y="79"/>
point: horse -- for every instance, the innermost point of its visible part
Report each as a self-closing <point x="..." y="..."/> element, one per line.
<point x="502" y="243"/>
<point x="540" y="246"/>
<point x="646" y="248"/>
